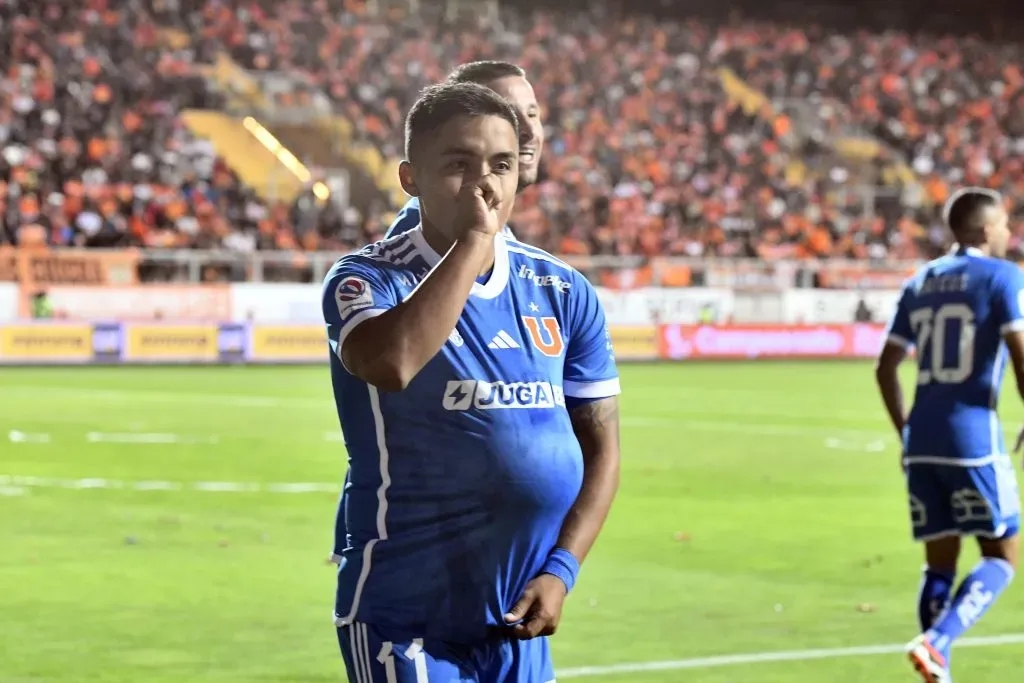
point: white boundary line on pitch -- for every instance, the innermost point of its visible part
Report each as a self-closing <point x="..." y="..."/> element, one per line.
<point x="11" y="483"/>
<point x="767" y="657"/>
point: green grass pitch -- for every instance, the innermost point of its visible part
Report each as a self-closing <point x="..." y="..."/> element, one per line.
<point x="761" y="509"/>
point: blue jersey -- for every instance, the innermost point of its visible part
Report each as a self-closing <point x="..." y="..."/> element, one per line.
<point x="955" y="311"/>
<point x="458" y="485"/>
<point x="409" y="218"/>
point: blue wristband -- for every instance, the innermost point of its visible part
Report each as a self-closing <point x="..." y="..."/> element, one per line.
<point x="564" y="565"/>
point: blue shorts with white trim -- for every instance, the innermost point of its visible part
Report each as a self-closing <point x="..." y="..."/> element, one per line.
<point x="379" y="655"/>
<point x="947" y="499"/>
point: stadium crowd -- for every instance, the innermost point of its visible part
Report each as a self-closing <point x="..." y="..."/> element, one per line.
<point x="645" y="153"/>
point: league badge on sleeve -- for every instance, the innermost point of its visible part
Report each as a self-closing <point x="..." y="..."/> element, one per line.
<point x="353" y="294"/>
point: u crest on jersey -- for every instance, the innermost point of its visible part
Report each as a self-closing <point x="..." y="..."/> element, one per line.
<point x="545" y="335"/>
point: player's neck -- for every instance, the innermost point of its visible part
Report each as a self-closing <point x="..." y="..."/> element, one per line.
<point x="441" y="244"/>
<point x="984" y="248"/>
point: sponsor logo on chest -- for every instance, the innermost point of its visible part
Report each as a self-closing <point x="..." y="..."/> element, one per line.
<point x="472" y="394"/>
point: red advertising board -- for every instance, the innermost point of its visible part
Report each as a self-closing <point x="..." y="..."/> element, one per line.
<point x="680" y="342"/>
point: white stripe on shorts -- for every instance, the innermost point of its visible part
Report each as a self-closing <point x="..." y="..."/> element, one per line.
<point x="365" y="646"/>
<point x="353" y="650"/>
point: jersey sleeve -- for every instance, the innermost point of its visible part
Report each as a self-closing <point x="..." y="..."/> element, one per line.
<point x="354" y="292"/>
<point x="1008" y="305"/>
<point x="899" y="330"/>
<point x="590" y="371"/>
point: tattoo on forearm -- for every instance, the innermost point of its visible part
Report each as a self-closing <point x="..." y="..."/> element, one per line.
<point x="595" y="421"/>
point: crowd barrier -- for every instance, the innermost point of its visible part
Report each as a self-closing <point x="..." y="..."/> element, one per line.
<point x="291" y="304"/>
<point x="48" y="343"/>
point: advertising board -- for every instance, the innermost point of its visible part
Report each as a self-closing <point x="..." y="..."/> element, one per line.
<point x="635" y="342"/>
<point x="39" y="268"/>
<point x="9" y="297"/>
<point x="46" y="343"/>
<point x="181" y="303"/>
<point x="652" y="305"/>
<point x="288" y="343"/>
<point x="170" y="343"/>
<point x="275" y="303"/>
<point x="837" y="306"/>
<point x="683" y="342"/>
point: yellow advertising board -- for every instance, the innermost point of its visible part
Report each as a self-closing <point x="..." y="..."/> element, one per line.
<point x="635" y="342"/>
<point x="46" y="342"/>
<point x="170" y="343"/>
<point x="289" y="343"/>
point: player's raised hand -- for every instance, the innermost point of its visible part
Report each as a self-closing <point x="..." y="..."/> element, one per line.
<point x="539" y="610"/>
<point x="478" y="204"/>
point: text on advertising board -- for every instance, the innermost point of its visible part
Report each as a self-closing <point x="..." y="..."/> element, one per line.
<point x="635" y="342"/>
<point x="40" y="268"/>
<point x="289" y="342"/>
<point x="142" y="303"/>
<point x="679" y="342"/>
<point x="54" y="343"/>
<point x="171" y="343"/>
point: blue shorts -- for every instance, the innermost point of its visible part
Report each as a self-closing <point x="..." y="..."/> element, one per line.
<point x="375" y="655"/>
<point x="952" y="500"/>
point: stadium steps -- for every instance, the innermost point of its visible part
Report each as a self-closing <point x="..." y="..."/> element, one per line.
<point x="242" y="92"/>
<point x="867" y="150"/>
<point x="756" y="103"/>
<point x="383" y="171"/>
<point x="245" y="94"/>
<point x="310" y="144"/>
<point x="857" y="152"/>
<point x="322" y="145"/>
<point x="253" y="161"/>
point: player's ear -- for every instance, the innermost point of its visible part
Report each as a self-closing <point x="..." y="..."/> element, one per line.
<point x="407" y="177"/>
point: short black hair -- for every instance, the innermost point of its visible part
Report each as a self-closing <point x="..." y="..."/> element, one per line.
<point x="439" y="104"/>
<point x="965" y="210"/>
<point x="484" y="72"/>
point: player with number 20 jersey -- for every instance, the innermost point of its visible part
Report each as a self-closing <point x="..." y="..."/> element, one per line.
<point x="954" y="312"/>
<point x="963" y="314"/>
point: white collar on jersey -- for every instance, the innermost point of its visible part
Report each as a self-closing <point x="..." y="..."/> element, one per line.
<point x="970" y="251"/>
<point x="495" y="284"/>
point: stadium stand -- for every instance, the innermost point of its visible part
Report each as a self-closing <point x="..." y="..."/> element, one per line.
<point x="158" y="125"/>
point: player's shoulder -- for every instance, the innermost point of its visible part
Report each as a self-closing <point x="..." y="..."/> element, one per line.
<point x="974" y="264"/>
<point x="391" y="253"/>
<point x="991" y="272"/>
<point x="1000" y="268"/>
<point x="390" y="256"/>
<point x="529" y="262"/>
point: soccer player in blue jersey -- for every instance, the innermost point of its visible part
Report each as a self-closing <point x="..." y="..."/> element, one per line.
<point x="476" y="387"/>
<point x="509" y="81"/>
<point x="963" y="314"/>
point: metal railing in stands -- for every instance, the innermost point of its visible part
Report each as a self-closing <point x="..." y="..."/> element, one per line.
<point x="625" y="271"/>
